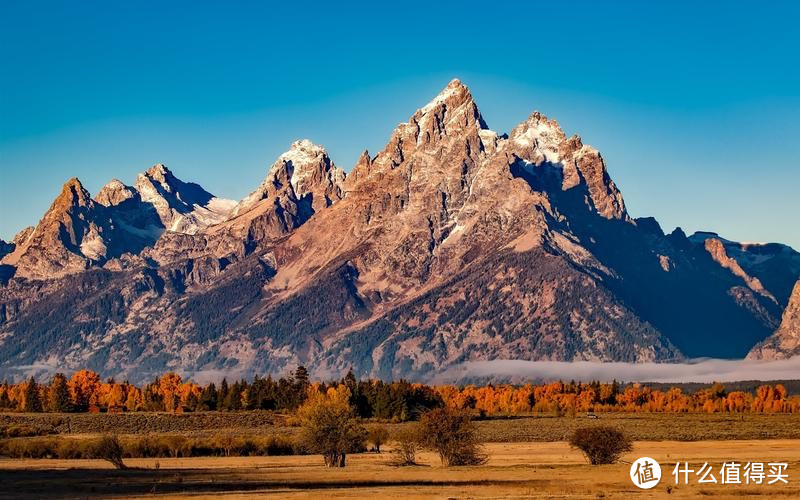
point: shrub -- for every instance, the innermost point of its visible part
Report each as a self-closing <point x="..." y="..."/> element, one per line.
<point x="29" y="448"/>
<point x="146" y="447"/>
<point x="73" y="448"/>
<point x="277" y="445"/>
<point x="451" y="433"/>
<point x="601" y="444"/>
<point x="329" y="426"/>
<point x="377" y="435"/>
<point x="109" y="448"/>
<point x="407" y="444"/>
<point x="21" y="430"/>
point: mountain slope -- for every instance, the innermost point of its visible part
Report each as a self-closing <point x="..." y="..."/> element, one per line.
<point x="453" y="243"/>
<point x="785" y="342"/>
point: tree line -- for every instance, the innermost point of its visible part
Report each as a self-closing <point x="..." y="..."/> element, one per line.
<point x="85" y="391"/>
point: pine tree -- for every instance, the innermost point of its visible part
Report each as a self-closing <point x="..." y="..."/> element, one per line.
<point x="5" y="402"/>
<point x="33" y="402"/>
<point x="222" y="394"/>
<point x="58" y="394"/>
<point x="301" y="377"/>
<point x="208" y="398"/>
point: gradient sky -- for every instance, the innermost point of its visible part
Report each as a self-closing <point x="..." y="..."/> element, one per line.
<point x="694" y="106"/>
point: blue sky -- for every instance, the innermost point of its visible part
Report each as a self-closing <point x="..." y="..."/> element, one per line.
<point x="694" y="106"/>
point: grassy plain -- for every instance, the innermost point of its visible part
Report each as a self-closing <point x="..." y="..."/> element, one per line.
<point x="515" y="470"/>
<point x="528" y="458"/>
<point x="533" y="427"/>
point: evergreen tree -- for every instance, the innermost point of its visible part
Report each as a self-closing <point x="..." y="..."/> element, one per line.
<point x="208" y="398"/>
<point x="301" y="377"/>
<point x="233" y="399"/>
<point x="33" y="402"/>
<point x="58" y="394"/>
<point x="222" y="394"/>
<point x="192" y="401"/>
<point x="5" y="402"/>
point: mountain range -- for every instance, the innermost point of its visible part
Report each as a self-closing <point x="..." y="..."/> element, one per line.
<point x="454" y="243"/>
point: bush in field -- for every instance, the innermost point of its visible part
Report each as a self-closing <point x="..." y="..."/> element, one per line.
<point x="377" y="435"/>
<point x="68" y="448"/>
<point x="406" y="447"/>
<point x="451" y="433"/>
<point x="109" y="448"/>
<point x="21" y="430"/>
<point x="330" y="427"/>
<point x="29" y="448"/>
<point x="277" y="445"/>
<point x="601" y="444"/>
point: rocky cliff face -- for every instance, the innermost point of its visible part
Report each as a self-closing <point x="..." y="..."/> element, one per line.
<point x="5" y="248"/>
<point x="453" y="243"/>
<point x="785" y="342"/>
<point x="302" y="182"/>
<point x="182" y="207"/>
<point x="766" y="268"/>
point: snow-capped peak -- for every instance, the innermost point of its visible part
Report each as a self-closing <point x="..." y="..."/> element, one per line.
<point x="183" y="207"/>
<point x="114" y="193"/>
<point x="454" y="88"/>
<point x="303" y="154"/>
<point x="537" y="131"/>
<point x="307" y="168"/>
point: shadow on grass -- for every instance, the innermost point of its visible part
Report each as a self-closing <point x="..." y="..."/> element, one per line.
<point x="70" y="483"/>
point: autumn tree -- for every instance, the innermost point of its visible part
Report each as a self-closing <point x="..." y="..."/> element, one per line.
<point x="378" y="434"/>
<point x="58" y="394"/>
<point x="169" y="390"/>
<point x="134" y="401"/>
<point x="83" y="389"/>
<point x="330" y="427"/>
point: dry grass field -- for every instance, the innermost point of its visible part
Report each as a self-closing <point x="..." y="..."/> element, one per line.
<point x="514" y="470"/>
<point x="528" y="458"/>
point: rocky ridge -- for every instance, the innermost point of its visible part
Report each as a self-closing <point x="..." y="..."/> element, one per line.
<point x="452" y="243"/>
<point x="785" y="342"/>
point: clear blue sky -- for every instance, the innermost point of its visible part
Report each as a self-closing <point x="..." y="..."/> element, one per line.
<point x="695" y="106"/>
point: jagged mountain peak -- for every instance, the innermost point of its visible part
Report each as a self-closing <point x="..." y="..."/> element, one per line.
<point x="453" y="108"/>
<point x="541" y="142"/>
<point x="73" y="194"/>
<point x="302" y="163"/>
<point x="65" y="239"/>
<point x="114" y="193"/>
<point x="159" y="172"/>
<point x="183" y="207"/>
<point x="454" y="95"/>
<point x="450" y="121"/>
<point x="301" y="182"/>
